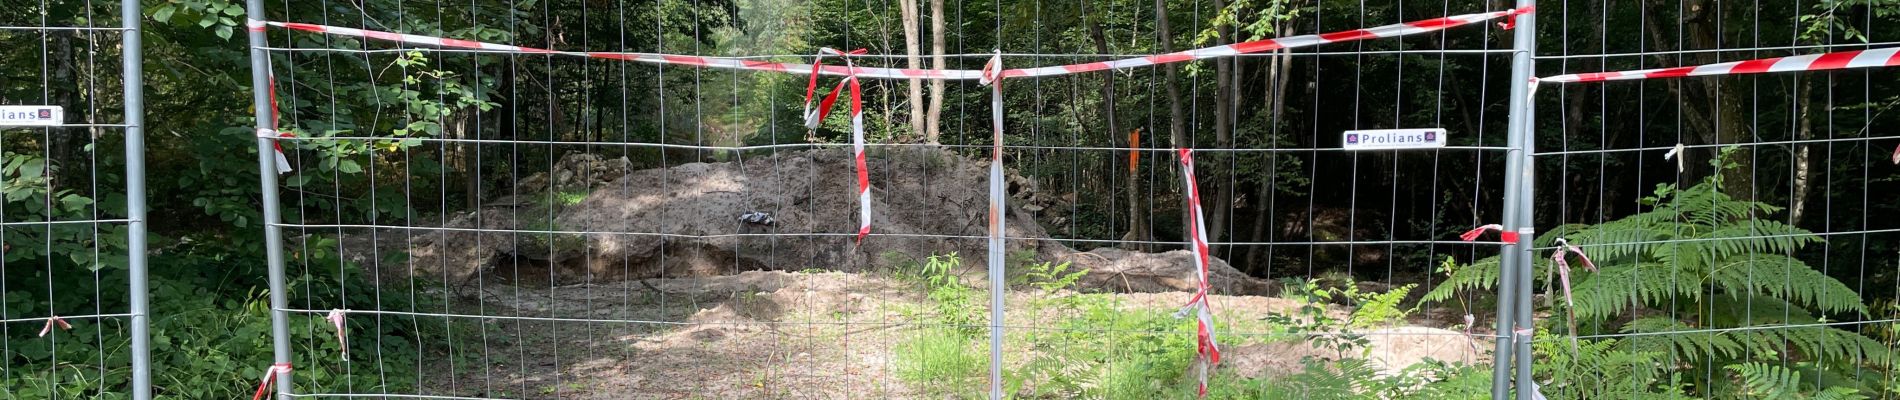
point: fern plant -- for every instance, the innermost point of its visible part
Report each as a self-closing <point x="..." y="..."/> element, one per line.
<point x="1698" y="260"/>
<point x="1766" y="381"/>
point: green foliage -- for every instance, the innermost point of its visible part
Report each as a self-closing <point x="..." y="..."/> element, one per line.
<point x="210" y="330"/>
<point x="942" y="356"/>
<point x="1767" y="381"/>
<point x="1050" y="277"/>
<point x="1699" y="260"/>
<point x="1603" y="369"/>
<point x="953" y="305"/>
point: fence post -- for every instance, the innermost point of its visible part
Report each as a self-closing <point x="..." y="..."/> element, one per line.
<point x="134" y="92"/>
<point x="998" y="208"/>
<point x="267" y="174"/>
<point x="1514" y="279"/>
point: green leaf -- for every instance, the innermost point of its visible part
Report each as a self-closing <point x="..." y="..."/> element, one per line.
<point x="224" y="32"/>
<point x="164" y="13"/>
<point x="348" y="166"/>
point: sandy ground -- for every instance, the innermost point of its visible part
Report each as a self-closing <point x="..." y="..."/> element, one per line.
<point x="787" y="335"/>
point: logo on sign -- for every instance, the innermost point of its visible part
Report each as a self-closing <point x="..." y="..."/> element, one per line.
<point x="35" y="115"/>
<point x="1394" y="139"/>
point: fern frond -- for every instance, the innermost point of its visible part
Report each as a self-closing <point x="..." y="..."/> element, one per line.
<point x="1757" y="236"/>
<point x="1787" y="278"/>
<point x="1816" y="343"/>
<point x="1617" y="288"/>
<point x="1481" y="275"/>
<point x="1767" y="381"/>
<point x="1688" y="347"/>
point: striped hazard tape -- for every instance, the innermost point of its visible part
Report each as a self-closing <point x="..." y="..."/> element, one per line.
<point x="1256" y="46"/>
<point x="1887" y="57"/>
<point x="1204" y="344"/>
<point x="816" y="117"/>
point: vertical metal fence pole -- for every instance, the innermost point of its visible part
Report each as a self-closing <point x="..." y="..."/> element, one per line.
<point x="267" y="174"/>
<point x="1514" y="277"/>
<point x="997" y="231"/>
<point x="134" y="71"/>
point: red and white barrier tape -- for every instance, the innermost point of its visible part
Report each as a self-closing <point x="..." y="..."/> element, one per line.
<point x="1887" y="57"/>
<point x="270" y="376"/>
<point x="54" y="321"/>
<point x="336" y="318"/>
<point x="1504" y="236"/>
<point x="1560" y="264"/>
<point x="1205" y="345"/>
<point x="1257" y="46"/>
<point x="816" y="117"/>
<point x="283" y="162"/>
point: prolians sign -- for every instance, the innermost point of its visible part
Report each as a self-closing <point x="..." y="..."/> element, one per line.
<point x="1379" y="139"/>
<point x="31" y="115"/>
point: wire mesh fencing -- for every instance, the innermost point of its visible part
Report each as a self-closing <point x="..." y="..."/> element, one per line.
<point x="518" y="222"/>
<point x="589" y="199"/>
<point x="72" y="279"/>
<point x="1752" y="258"/>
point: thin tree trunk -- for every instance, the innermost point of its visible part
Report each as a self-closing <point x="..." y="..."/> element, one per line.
<point x="1803" y="156"/>
<point x="1278" y="68"/>
<point x="1137" y="221"/>
<point x="1223" y="133"/>
<point x="1177" y="124"/>
<point x="912" y="60"/>
<point x="1711" y="113"/>
<point x="934" y="120"/>
<point x="66" y="159"/>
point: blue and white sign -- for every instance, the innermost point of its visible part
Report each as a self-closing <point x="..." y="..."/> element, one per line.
<point x="31" y="115"/>
<point x="1388" y="139"/>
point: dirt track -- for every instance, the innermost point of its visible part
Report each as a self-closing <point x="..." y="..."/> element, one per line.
<point x="787" y="335"/>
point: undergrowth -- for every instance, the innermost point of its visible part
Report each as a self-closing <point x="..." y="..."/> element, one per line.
<point x="1092" y="345"/>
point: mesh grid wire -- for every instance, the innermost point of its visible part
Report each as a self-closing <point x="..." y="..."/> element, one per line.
<point x="70" y="219"/>
<point x="578" y="234"/>
<point x="1726" y="286"/>
<point x="544" y="226"/>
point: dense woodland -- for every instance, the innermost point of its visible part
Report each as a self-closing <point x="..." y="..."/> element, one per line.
<point x="1806" y="166"/>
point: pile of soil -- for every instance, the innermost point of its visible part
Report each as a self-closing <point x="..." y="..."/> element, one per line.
<point x="683" y="221"/>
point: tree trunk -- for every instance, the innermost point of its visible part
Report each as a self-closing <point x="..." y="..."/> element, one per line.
<point x="1712" y="113"/>
<point x="1223" y="134"/>
<point x="66" y="160"/>
<point x="1137" y="221"/>
<point x="934" y="120"/>
<point x="1177" y="124"/>
<point x="912" y="49"/>
<point x="1803" y="156"/>
<point x="1278" y="68"/>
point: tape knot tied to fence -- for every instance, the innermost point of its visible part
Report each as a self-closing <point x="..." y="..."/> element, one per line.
<point x="53" y="321"/>
<point x="992" y="71"/>
<point x="336" y="318"/>
<point x="1504" y="236"/>
<point x="270" y="376"/>
<point x="283" y="162"/>
<point x="1510" y="17"/>
<point x="1560" y="265"/>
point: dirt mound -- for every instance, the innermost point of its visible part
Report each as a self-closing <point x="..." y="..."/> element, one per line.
<point x="684" y="221"/>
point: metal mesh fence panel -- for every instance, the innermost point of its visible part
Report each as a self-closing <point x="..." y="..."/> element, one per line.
<point x="1733" y="220"/>
<point x="73" y="309"/>
<point x="605" y="218"/>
